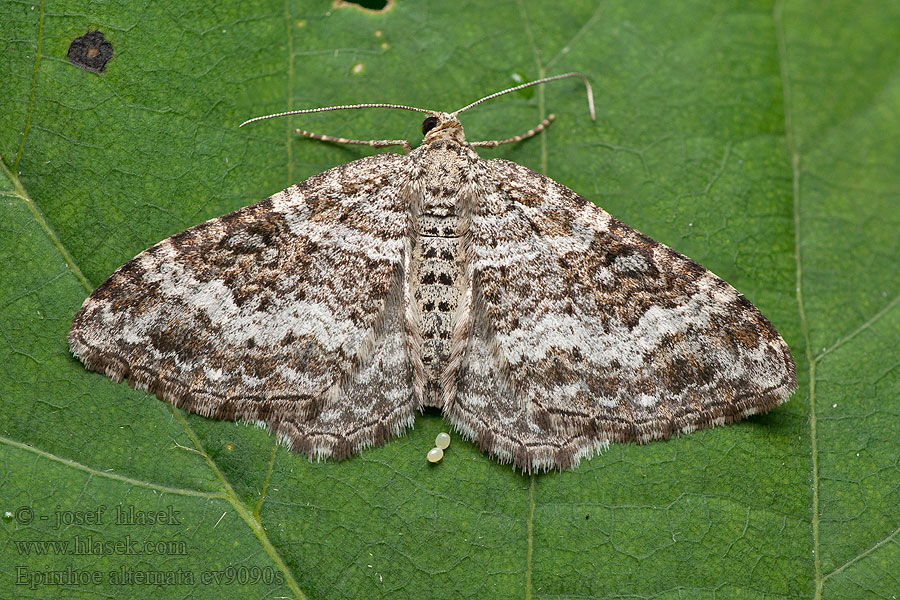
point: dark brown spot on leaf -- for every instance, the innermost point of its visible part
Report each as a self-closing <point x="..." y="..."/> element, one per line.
<point x="90" y="51"/>
<point x="367" y="5"/>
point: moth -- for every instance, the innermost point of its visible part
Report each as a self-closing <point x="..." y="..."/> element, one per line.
<point x="542" y="327"/>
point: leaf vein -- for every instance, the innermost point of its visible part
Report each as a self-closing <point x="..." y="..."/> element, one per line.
<point x="778" y="19"/>
<point x="863" y="554"/>
<point x="231" y="496"/>
<point x="887" y="307"/>
<point x="106" y="474"/>
<point x="38" y="50"/>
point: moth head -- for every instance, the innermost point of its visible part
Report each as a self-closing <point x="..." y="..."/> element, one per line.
<point x="443" y="126"/>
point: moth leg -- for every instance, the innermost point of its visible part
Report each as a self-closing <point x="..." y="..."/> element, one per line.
<point x="339" y="140"/>
<point x="524" y="136"/>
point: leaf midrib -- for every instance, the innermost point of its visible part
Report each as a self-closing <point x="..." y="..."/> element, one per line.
<point x="780" y="37"/>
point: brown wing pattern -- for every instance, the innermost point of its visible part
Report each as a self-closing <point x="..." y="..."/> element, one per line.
<point x="272" y="313"/>
<point x="594" y="333"/>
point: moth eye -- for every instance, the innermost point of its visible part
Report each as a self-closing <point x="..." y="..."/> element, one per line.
<point x="429" y="124"/>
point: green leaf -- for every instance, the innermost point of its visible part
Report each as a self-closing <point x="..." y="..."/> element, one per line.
<point x="759" y="139"/>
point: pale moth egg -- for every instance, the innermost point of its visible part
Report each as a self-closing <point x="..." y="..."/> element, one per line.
<point x="435" y="455"/>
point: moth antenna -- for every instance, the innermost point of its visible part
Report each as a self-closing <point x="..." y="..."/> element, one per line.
<point x="587" y="84"/>
<point x="341" y="107"/>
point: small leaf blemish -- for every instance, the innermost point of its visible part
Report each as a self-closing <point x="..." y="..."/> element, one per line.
<point x="90" y="51"/>
<point x="367" y="5"/>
